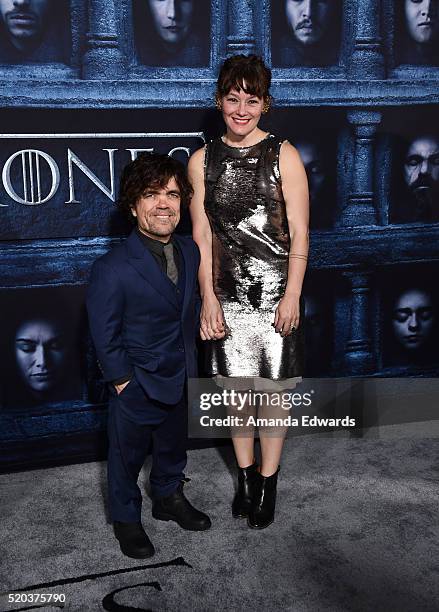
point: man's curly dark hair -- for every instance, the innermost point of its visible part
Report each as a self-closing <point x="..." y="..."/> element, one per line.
<point x="151" y="171"/>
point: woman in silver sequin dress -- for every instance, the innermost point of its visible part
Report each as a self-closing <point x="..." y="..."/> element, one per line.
<point x="250" y="220"/>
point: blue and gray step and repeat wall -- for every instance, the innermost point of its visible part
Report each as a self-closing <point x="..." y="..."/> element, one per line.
<point x="88" y="84"/>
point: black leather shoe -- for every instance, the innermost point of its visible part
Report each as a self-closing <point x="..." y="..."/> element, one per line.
<point x="133" y="540"/>
<point x="262" y="511"/>
<point x="176" y="507"/>
<point x="242" y="501"/>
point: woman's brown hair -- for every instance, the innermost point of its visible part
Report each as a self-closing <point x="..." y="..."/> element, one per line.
<point x="246" y="72"/>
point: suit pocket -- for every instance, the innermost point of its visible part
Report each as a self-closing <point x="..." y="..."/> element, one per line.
<point x="131" y="383"/>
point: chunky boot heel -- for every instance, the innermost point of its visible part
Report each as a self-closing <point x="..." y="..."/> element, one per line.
<point x="243" y="499"/>
<point x="262" y="511"/>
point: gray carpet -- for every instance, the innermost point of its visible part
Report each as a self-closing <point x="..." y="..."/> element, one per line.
<point x="356" y="529"/>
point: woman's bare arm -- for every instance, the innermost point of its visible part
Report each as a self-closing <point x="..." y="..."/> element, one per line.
<point x="211" y="318"/>
<point x="296" y="195"/>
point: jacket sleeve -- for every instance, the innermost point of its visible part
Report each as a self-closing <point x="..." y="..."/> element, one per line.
<point x="105" y="306"/>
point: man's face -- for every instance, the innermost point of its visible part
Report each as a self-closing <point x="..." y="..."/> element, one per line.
<point x="24" y="20"/>
<point x="313" y="166"/>
<point x="40" y="353"/>
<point x="421" y="18"/>
<point x="421" y="170"/>
<point x="413" y="318"/>
<point x="172" y="19"/>
<point x="309" y="19"/>
<point x="158" y="211"/>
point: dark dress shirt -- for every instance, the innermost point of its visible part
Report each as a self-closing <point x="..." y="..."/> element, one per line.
<point x="155" y="247"/>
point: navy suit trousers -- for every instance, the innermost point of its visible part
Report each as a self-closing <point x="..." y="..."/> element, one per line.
<point x="138" y="425"/>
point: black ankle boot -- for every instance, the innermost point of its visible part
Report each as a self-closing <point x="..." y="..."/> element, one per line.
<point x="262" y="511"/>
<point x="133" y="540"/>
<point x="176" y="507"/>
<point x="244" y="495"/>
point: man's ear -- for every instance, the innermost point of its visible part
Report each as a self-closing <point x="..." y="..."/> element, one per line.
<point x="133" y="211"/>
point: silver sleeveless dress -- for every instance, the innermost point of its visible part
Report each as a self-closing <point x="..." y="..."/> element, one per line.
<point x="246" y="210"/>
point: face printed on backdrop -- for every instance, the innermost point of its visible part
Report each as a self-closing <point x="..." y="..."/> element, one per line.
<point x="421" y="171"/>
<point x="309" y="20"/>
<point x="314" y="167"/>
<point x="172" y="19"/>
<point x="315" y="327"/>
<point x="24" y="21"/>
<point x="41" y="354"/>
<point x="422" y="20"/>
<point x="413" y="319"/>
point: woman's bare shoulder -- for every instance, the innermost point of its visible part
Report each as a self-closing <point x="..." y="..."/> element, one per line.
<point x="289" y="156"/>
<point x="196" y="160"/>
<point x="287" y="149"/>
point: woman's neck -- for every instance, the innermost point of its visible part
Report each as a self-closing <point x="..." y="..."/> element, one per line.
<point x="236" y="140"/>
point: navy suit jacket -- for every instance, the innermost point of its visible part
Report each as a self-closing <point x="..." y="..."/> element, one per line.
<point x="141" y="322"/>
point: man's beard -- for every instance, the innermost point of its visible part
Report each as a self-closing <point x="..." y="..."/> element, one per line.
<point x="424" y="192"/>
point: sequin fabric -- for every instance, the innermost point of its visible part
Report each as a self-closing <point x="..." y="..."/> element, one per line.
<point x="246" y="210"/>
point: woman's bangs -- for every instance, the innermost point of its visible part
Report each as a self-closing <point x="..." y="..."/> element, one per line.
<point x="248" y="83"/>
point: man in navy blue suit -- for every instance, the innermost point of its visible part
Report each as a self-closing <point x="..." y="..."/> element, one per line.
<point x="143" y="310"/>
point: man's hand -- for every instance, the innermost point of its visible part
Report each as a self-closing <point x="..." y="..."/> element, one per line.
<point x="120" y="388"/>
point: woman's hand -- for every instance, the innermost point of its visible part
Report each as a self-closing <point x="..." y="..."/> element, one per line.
<point x="287" y="315"/>
<point x="212" y="323"/>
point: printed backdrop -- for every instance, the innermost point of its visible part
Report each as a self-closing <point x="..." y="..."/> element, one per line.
<point x="86" y="86"/>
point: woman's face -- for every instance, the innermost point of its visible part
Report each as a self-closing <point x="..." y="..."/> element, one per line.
<point x="40" y="353"/>
<point x="172" y="19"/>
<point x="421" y="18"/>
<point x="241" y="112"/>
<point x="413" y="318"/>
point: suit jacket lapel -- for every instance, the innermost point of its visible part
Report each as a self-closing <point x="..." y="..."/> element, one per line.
<point x="142" y="260"/>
